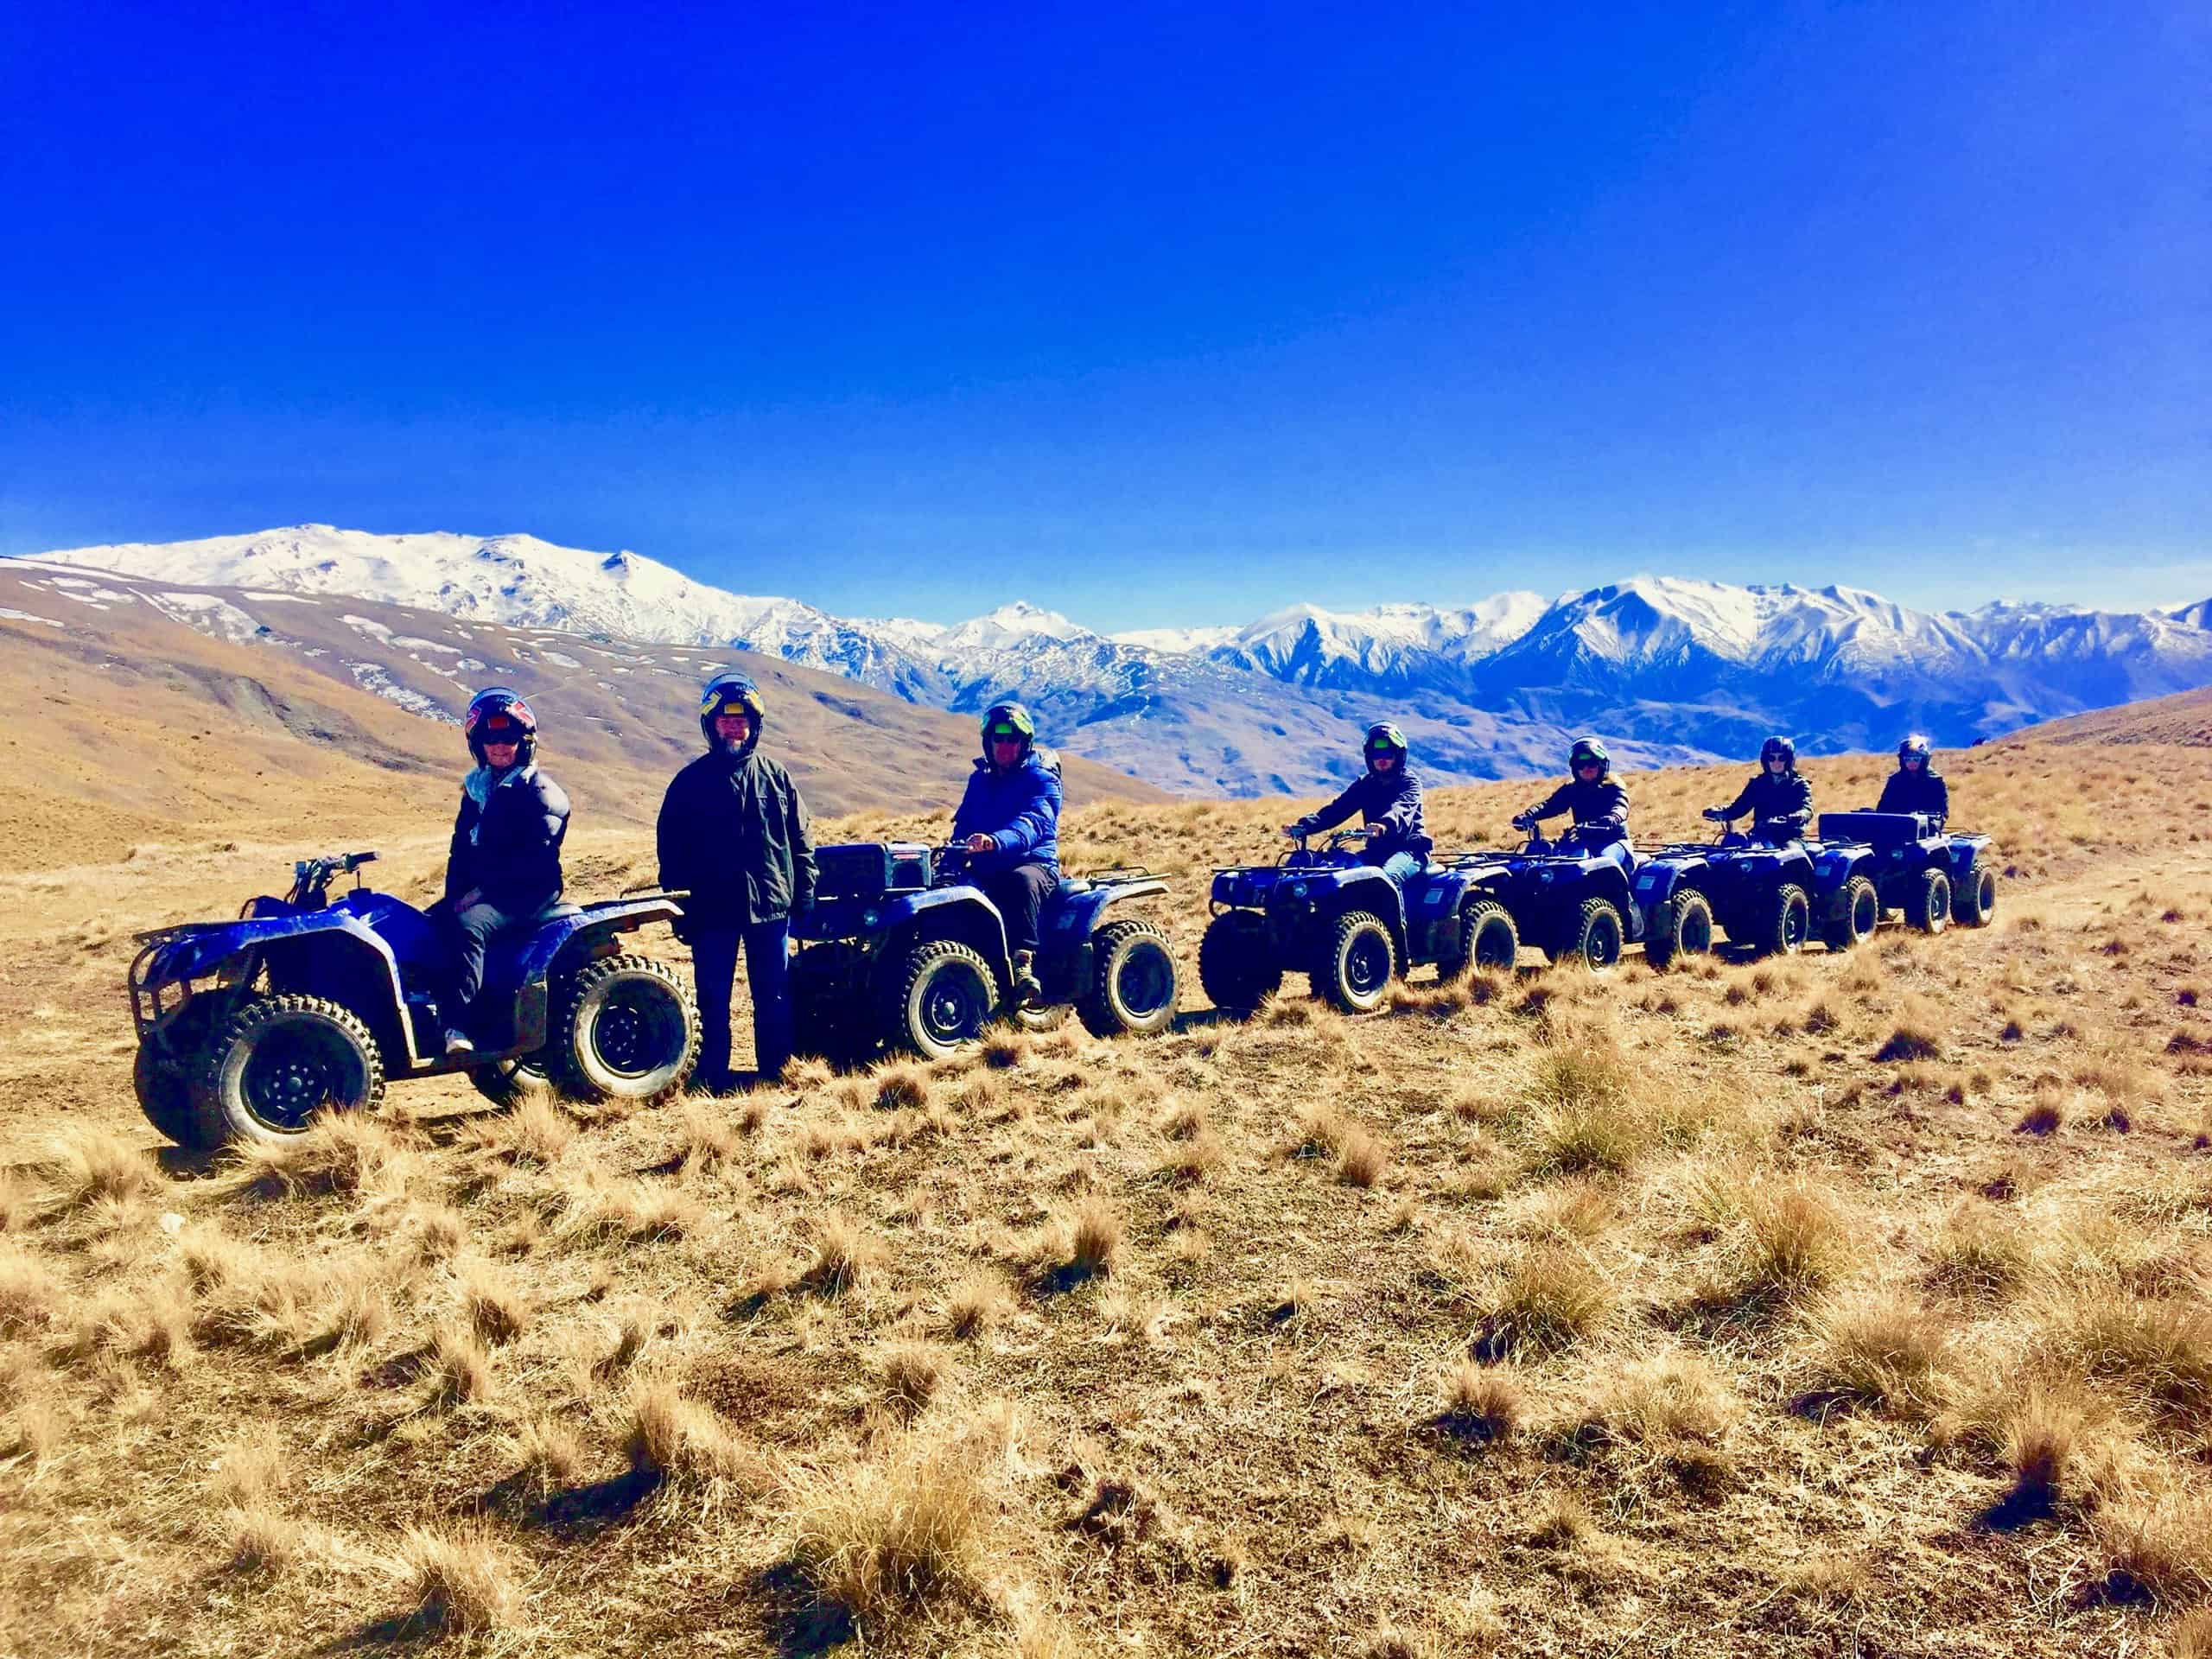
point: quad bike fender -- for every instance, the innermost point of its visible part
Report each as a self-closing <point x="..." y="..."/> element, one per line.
<point x="1065" y="931"/>
<point x="1432" y="914"/>
<point x="1659" y="880"/>
<point x="1834" y="866"/>
<point x="1960" y="853"/>
<point x="230" y="951"/>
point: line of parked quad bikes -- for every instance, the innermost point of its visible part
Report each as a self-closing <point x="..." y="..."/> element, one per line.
<point x="308" y="1002"/>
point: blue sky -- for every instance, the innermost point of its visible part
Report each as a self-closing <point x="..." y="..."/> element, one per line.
<point x="1153" y="313"/>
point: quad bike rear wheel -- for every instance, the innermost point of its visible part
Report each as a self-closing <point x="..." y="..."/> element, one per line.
<point x="505" y="1082"/>
<point x="1358" y="963"/>
<point x="275" y="1063"/>
<point x="1234" y="967"/>
<point x="1680" y="926"/>
<point x="1133" y="987"/>
<point x="1594" y="939"/>
<point x="1858" y="912"/>
<point x="628" y="1029"/>
<point x="1927" y="905"/>
<point x="1785" y="922"/>
<point x="1484" y="936"/>
<point x="941" y="1001"/>
<point x="1975" y="899"/>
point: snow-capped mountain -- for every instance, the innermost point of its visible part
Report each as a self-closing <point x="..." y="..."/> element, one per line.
<point x="1675" y="669"/>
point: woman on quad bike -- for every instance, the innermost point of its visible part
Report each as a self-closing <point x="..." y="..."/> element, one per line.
<point x="1008" y="825"/>
<point x="1779" y="800"/>
<point x="505" y="864"/>
<point x="1386" y="797"/>
<point x="1916" y="786"/>
<point x="1599" y="804"/>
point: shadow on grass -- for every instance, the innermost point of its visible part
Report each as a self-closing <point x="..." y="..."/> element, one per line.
<point x="800" y="1623"/>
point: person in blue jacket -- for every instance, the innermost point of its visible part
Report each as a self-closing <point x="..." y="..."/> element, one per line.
<point x="1386" y="797"/>
<point x="1008" y="826"/>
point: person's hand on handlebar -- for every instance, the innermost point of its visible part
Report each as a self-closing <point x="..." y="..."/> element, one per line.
<point x="979" y="842"/>
<point x="1371" y="830"/>
<point x="1525" y="821"/>
<point x="1293" y="832"/>
<point x="1715" y="815"/>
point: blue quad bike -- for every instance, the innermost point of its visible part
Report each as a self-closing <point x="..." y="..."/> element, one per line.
<point x="247" y="1028"/>
<point x="1339" y="920"/>
<point x="1913" y="866"/>
<point x="902" y="951"/>
<point x="1568" y="895"/>
<point x="1771" y="894"/>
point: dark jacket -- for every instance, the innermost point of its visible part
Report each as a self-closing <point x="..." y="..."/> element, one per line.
<point x="1390" y="798"/>
<point x="1603" y="804"/>
<point x="506" y="841"/>
<point x="1018" y="808"/>
<point x="1780" y="804"/>
<point x="1924" y="791"/>
<point x="733" y="833"/>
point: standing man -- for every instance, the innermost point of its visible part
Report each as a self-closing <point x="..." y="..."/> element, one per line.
<point x="1008" y="826"/>
<point x="733" y="833"/>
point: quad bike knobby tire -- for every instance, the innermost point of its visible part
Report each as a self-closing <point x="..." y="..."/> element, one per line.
<point x="1234" y="964"/>
<point x="1975" y="899"/>
<point x="1357" y="963"/>
<point x="1785" y="923"/>
<point x="504" y="1082"/>
<point x="1928" y="905"/>
<point x="275" y="1063"/>
<point x="1681" y="927"/>
<point x="1132" y="987"/>
<point x="628" y="1029"/>
<point x="1595" y="937"/>
<point x="1485" y="937"/>
<point x="941" y="999"/>
<point x="1858" y="912"/>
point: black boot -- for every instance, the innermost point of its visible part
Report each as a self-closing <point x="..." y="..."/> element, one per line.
<point x="1027" y="990"/>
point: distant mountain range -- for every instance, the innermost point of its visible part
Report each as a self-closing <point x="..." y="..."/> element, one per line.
<point x="1668" y="669"/>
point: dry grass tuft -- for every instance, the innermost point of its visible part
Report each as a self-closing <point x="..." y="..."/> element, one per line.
<point x="1882" y="1347"/>
<point x="2155" y="1541"/>
<point x="911" y="1374"/>
<point x="496" y="1311"/>
<point x="259" y="1539"/>
<point x="842" y="1256"/>
<point x="1979" y="1252"/>
<point x="551" y="1456"/>
<point x="901" y="1088"/>
<point x="533" y="1132"/>
<point x="1786" y="1239"/>
<point x="88" y="1166"/>
<point x="29" y="1293"/>
<point x="460" y="1581"/>
<point x="2159" y="1351"/>
<point x="670" y="1438"/>
<point x="883" y="1541"/>
<point x="2193" y="1634"/>
<point x="977" y="1302"/>
<point x="1553" y="1295"/>
<point x="1481" y="1402"/>
<point x="460" y="1368"/>
<point x="1361" y="1159"/>
<point x="708" y="1139"/>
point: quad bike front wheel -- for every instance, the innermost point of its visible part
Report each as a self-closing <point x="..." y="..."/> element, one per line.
<point x="1681" y="927"/>
<point x="1975" y="899"/>
<point x="1484" y="936"/>
<point x="1927" y="905"/>
<point x="1858" y="912"/>
<point x="1133" y="985"/>
<point x="1785" y="923"/>
<point x="275" y="1063"/>
<point x="942" y="997"/>
<point x="1360" y="962"/>
<point x="1595" y="938"/>
<point x="628" y="1029"/>
<point x="1236" y="967"/>
<point x="506" y="1081"/>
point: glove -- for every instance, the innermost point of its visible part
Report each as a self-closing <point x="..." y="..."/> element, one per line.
<point x="1714" y="814"/>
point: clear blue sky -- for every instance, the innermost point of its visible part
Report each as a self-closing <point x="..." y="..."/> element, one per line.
<point x="1155" y="313"/>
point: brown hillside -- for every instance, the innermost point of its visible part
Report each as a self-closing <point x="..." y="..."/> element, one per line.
<point x="2185" y="719"/>
<point x="1815" y="1306"/>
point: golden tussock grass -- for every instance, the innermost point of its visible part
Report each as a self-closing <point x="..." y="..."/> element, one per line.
<point x="459" y="1579"/>
<point x="1552" y="1295"/>
<point x="676" y="1438"/>
<point x="1880" y="1346"/>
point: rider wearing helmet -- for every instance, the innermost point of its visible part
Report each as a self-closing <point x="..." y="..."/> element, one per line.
<point x="734" y="835"/>
<point x="1008" y="826"/>
<point x="1386" y="798"/>
<point x="1599" y="804"/>
<point x="503" y="866"/>
<point x="1779" y="800"/>
<point x="1916" y="786"/>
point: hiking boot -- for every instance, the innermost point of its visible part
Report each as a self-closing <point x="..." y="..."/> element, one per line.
<point x="1028" y="989"/>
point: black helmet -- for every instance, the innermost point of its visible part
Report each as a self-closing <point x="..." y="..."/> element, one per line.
<point x="1003" y="719"/>
<point x="730" y="694"/>
<point x="1383" y="738"/>
<point x="496" y="712"/>
<point x="1915" y="748"/>
<point x="1585" y="750"/>
<point x="1781" y="746"/>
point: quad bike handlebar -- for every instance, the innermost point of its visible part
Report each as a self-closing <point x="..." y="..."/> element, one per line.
<point x="310" y="876"/>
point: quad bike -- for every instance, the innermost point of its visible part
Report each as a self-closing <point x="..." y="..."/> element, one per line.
<point x="902" y="950"/>
<point x="1916" y="867"/>
<point x="1764" y="892"/>
<point x="247" y="1028"/>
<point x="1569" y="896"/>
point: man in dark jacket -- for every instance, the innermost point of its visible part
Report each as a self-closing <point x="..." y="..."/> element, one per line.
<point x="733" y="833"/>
<point x="1008" y="828"/>
<point x="1916" y="786"/>
<point x="503" y="866"/>
<point x="1386" y="797"/>
<point x="1599" y="804"/>
<point x="1779" y="800"/>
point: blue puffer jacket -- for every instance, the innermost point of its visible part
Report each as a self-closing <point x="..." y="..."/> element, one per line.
<point x="1020" y="809"/>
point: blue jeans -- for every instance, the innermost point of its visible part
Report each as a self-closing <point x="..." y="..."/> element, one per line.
<point x="1402" y="867"/>
<point x="767" y="974"/>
